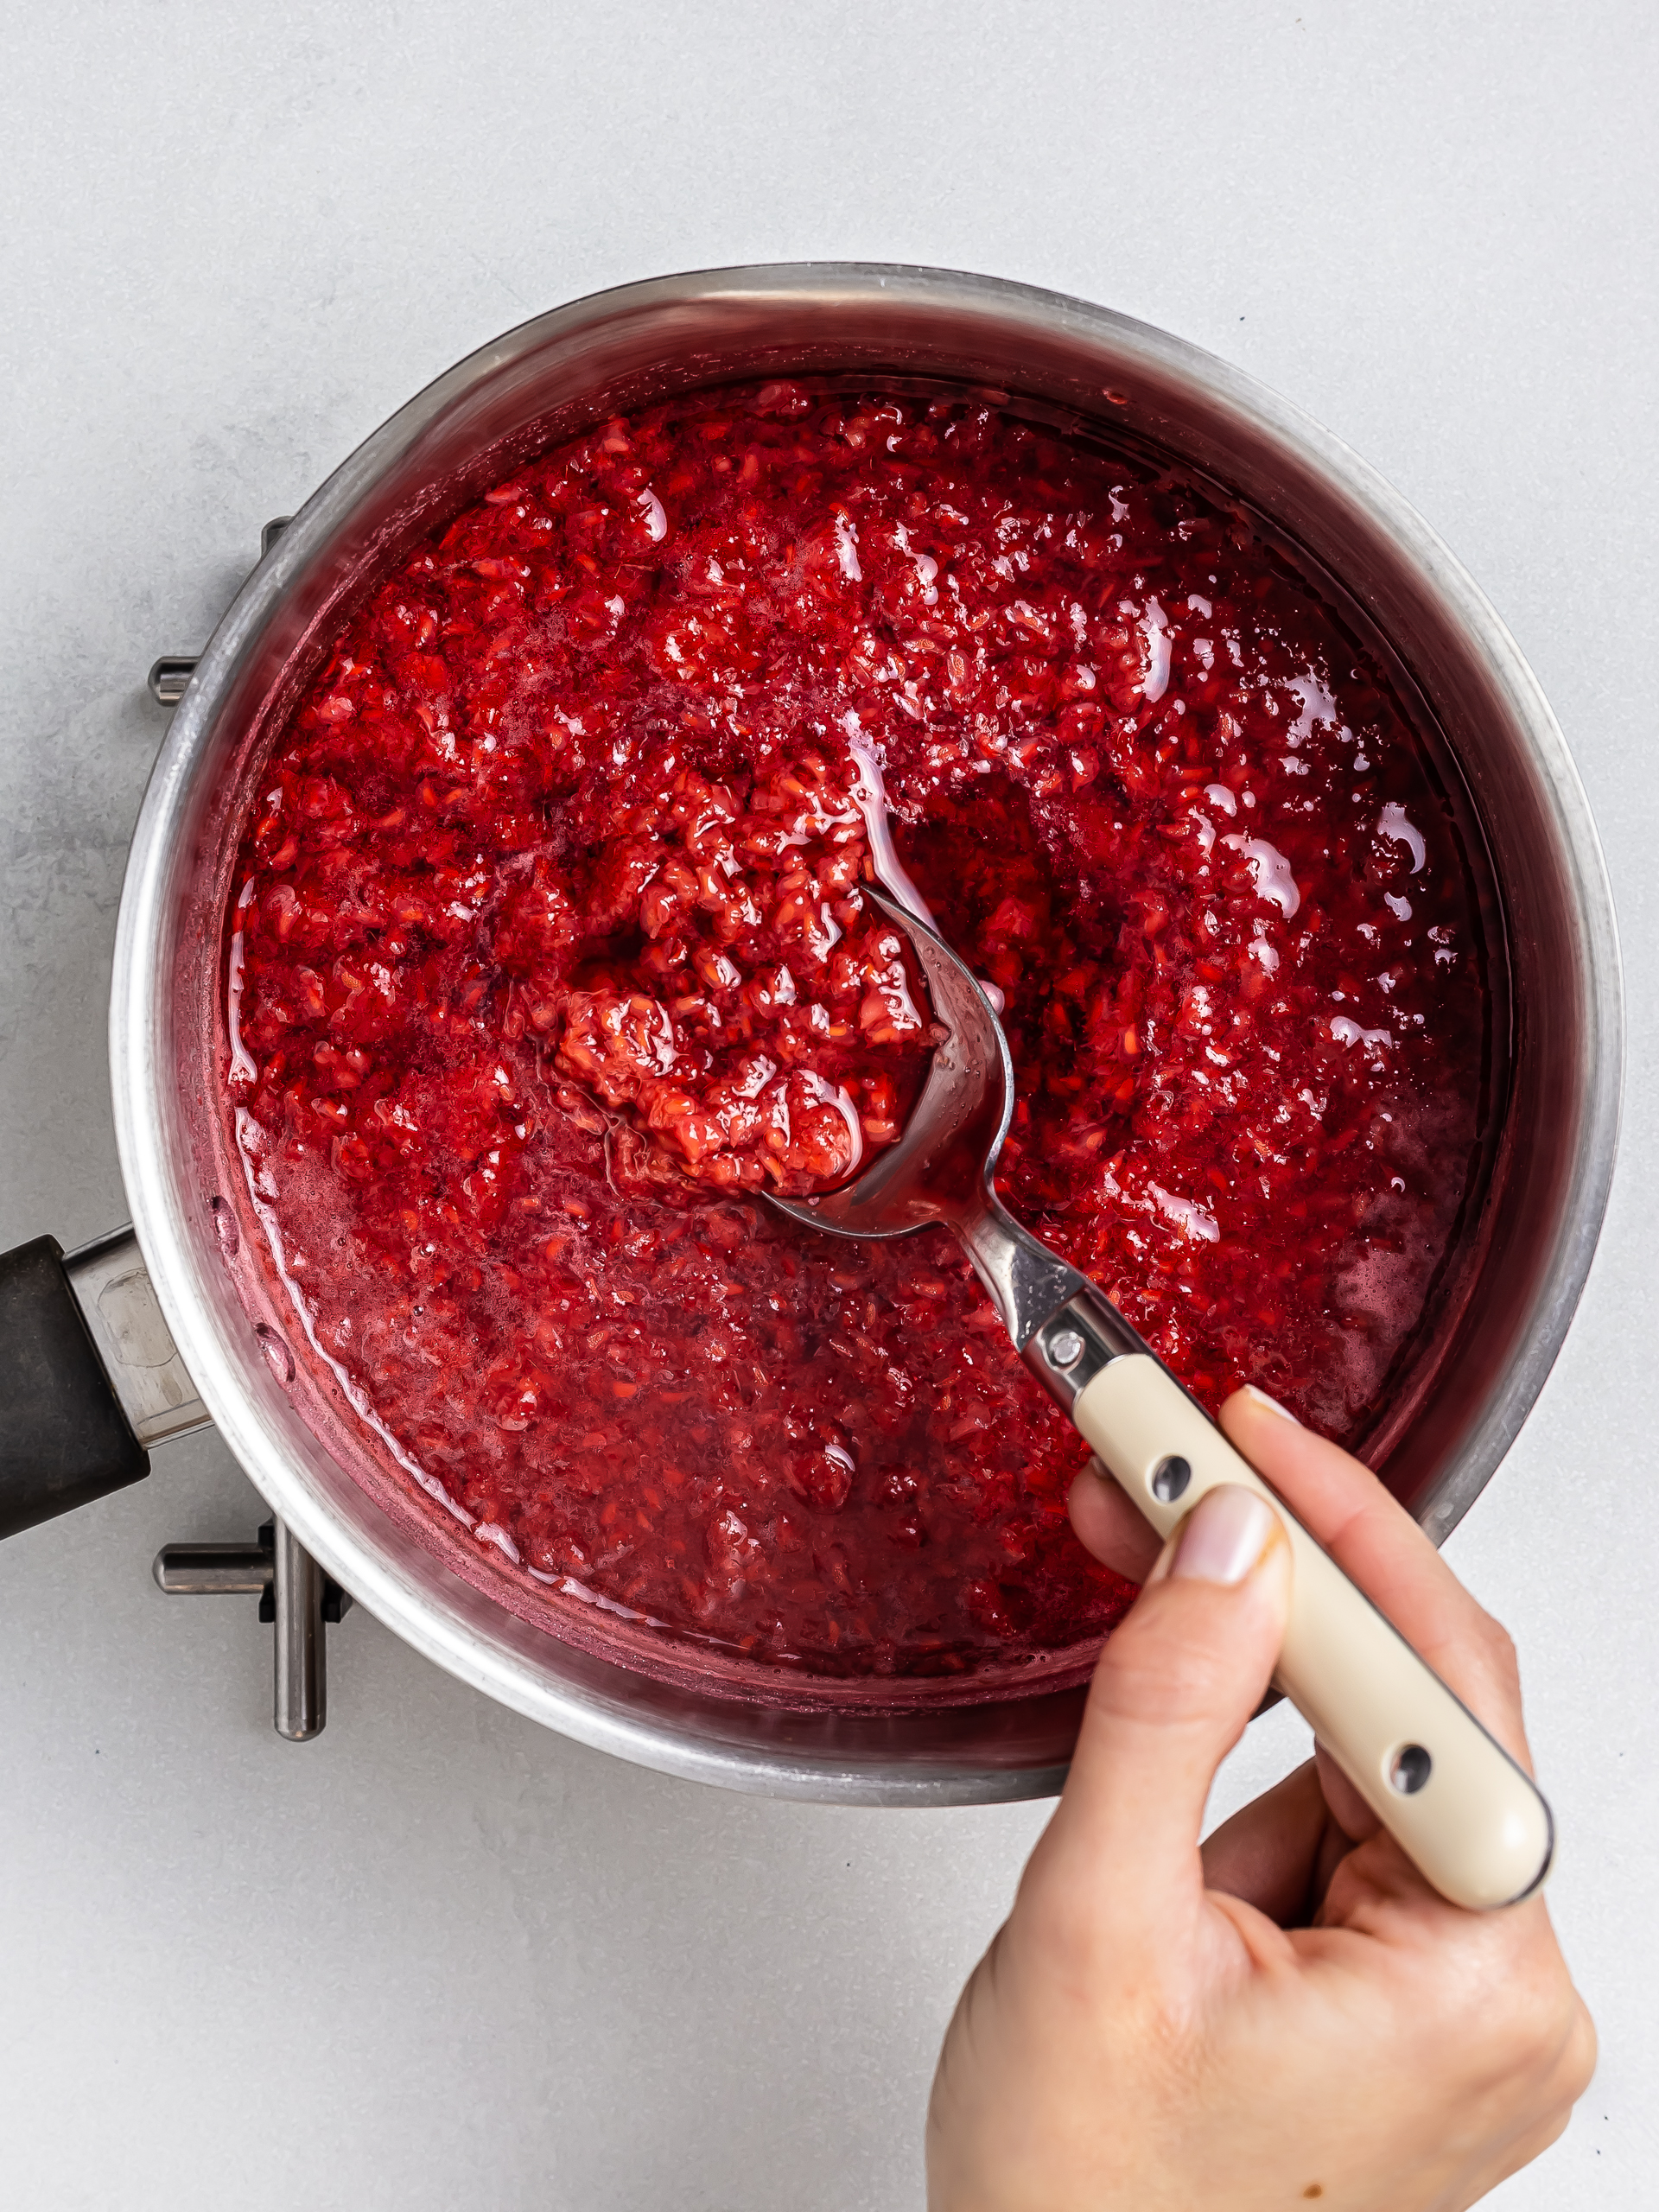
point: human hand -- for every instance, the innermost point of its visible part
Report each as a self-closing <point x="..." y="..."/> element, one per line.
<point x="1290" y="2013"/>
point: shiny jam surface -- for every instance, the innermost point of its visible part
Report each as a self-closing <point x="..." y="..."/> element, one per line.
<point x="546" y="957"/>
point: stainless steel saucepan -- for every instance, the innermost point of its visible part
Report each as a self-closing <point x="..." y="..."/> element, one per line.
<point x="178" y="1320"/>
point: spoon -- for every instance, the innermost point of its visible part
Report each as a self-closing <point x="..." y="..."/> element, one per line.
<point x="1453" y="1799"/>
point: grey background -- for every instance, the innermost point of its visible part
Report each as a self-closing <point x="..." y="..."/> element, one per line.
<point x="441" y="1956"/>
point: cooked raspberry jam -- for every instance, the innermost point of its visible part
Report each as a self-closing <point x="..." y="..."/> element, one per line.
<point x="547" y="959"/>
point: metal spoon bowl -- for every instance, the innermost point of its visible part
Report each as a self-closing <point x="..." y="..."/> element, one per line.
<point x="941" y="1170"/>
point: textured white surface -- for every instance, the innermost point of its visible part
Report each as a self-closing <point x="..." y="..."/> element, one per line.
<point x="440" y="1957"/>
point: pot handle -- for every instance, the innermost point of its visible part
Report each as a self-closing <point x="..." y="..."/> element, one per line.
<point x="93" y="1378"/>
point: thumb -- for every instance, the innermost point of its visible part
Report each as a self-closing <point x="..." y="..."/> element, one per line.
<point x="1176" y="1685"/>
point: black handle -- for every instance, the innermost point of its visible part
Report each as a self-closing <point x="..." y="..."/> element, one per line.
<point x="64" y="1440"/>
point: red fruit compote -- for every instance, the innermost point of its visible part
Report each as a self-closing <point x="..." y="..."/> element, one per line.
<point x="546" y="959"/>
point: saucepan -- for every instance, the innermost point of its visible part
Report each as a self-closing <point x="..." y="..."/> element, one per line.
<point x="176" y="1321"/>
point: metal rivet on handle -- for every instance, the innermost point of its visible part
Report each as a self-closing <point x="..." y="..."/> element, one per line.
<point x="1170" y="1478"/>
<point x="1410" y="1769"/>
<point x="1064" y="1348"/>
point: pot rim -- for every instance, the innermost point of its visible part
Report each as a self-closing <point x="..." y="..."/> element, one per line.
<point x="194" y="1305"/>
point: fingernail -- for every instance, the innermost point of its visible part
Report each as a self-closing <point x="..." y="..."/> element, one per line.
<point x="1272" y="1404"/>
<point x="1224" y="1536"/>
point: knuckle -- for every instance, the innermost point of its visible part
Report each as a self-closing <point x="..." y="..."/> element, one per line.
<point x="1506" y="2002"/>
<point x="1480" y="1661"/>
<point x="1500" y="1653"/>
<point x="1153" y="1675"/>
<point x="1488" y="1650"/>
<point x="1544" y="2034"/>
<point x="1578" y="2061"/>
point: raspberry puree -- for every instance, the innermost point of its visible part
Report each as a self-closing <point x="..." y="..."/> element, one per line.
<point x="546" y="957"/>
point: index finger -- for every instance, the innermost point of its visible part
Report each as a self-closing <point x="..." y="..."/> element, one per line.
<point x="1379" y="1547"/>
